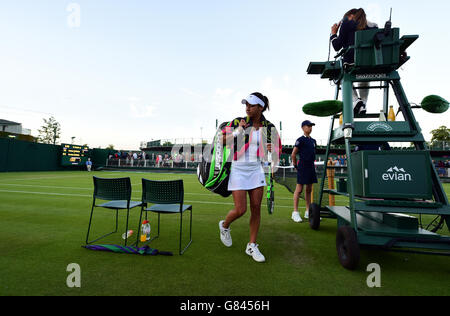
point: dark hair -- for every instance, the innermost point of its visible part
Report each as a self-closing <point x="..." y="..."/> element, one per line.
<point x="264" y="99"/>
<point x="360" y="18"/>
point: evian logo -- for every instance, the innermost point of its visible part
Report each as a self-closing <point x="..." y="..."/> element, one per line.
<point x="396" y="174"/>
<point x="379" y="125"/>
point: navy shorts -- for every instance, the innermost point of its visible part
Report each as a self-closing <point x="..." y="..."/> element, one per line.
<point x="306" y="174"/>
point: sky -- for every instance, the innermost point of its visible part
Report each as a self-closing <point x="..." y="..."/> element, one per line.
<point x="123" y="72"/>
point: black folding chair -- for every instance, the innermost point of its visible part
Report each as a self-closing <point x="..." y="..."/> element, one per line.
<point x="167" y="197"/>
<point x="118" y="194"/>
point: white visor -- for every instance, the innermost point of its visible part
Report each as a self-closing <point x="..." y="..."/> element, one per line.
<point x="253" y="100"/>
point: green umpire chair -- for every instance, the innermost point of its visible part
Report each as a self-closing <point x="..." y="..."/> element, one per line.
<point x="118" y="194"/>
<point x="167" y="198"/>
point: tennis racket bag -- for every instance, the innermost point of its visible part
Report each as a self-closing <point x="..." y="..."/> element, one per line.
<point x="213" y="171"/>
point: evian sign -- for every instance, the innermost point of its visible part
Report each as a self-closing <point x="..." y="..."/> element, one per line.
<point x="396" y="174"/>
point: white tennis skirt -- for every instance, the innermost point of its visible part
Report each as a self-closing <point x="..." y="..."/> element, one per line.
<point x="246" y="176"/>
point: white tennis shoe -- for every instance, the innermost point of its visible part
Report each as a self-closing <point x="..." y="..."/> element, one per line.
<point x="225" y="235"/>
<point x="253" y="251"/>
<point x="307" y="215"/>
<point x="296" y="217"/>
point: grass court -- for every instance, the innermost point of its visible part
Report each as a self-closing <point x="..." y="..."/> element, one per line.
<point x="44" y="218"/>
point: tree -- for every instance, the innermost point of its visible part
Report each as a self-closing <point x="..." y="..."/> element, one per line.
<point x="442" y="134"/>
<point x="50" y="132"/>
<point x="110" y="146"/>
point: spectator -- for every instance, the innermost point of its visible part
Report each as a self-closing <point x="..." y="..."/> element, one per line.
<point x="166" y="160"/>
<point x="331" y="161"/>
<point x="89" y="165"/>
<point x="441" y="168"/>
<point x="335" y="161"/>
<point x="338" y="161"/>
<point x="447" y="168"/>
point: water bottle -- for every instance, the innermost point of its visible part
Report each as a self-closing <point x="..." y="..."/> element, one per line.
<point x="391" y="116"/>
<point x="127" y="234"/>
<point x="145" y="231"/>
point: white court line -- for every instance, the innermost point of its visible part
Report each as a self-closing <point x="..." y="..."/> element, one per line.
<point x="44" y="186"/>
<point x="84" y="176"/>
<point x="46" y="193"/>
<point x="43" y="178"/>
<point x="89" y="196"/>
<point x="91" y="189"/>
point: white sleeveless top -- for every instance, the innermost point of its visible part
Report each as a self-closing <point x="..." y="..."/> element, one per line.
<point x="251" y="154"/>
<point x="247" y="172"/>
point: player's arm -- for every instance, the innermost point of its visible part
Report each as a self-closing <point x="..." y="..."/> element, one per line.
<point x="294" y="157"/>
<point x="227" y="138"/>
<point x="228" y="134"/>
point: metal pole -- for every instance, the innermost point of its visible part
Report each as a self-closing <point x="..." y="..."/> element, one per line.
<point x="350" y="185"/>
<point x="281" y="132"/>
<point x="386" y="98"/>
<point x="327" y="154"/>
<point x="347" y="97"/>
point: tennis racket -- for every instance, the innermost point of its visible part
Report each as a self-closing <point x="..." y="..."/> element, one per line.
<point x="270" y="188"/>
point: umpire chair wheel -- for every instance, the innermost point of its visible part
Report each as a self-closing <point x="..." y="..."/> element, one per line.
<point x="314" y="216"/>
<point x="347" y="247"/>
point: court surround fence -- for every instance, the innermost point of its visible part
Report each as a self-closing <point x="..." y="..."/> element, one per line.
<point x="17" y="155"/>
<point x="149" y="163"/>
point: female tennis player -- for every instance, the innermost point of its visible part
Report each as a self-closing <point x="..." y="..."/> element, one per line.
<point x="249" y="139"/>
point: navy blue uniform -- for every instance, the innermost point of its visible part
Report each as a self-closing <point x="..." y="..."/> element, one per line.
<point x="346" y="38"/>
<point x="306" y="171"/>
